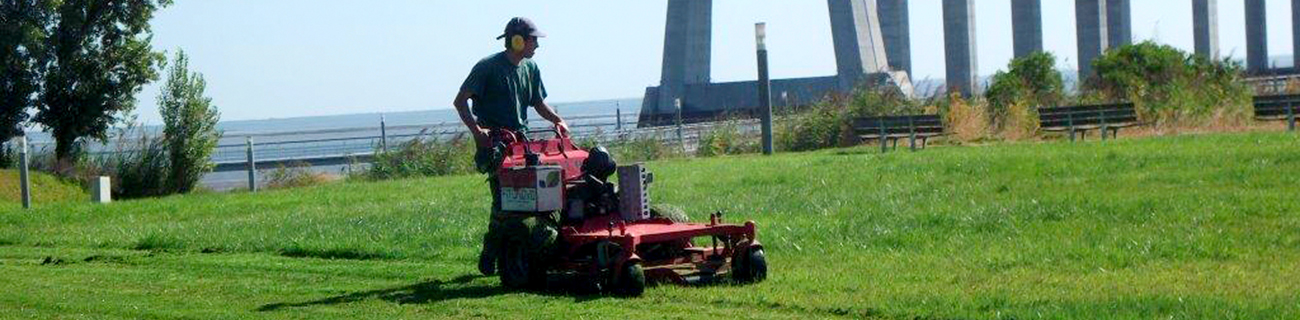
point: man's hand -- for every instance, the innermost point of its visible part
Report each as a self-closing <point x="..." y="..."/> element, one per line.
<point x="563" y="128"/>
<point x="482" y="137"/>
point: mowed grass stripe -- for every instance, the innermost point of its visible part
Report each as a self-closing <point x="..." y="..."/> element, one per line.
<point x="1199" y="226"/>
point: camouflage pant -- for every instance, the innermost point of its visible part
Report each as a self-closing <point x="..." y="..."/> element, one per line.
<point x="496" y="235"/>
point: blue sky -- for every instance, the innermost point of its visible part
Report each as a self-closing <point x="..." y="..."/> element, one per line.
<point x="289" y="58"/>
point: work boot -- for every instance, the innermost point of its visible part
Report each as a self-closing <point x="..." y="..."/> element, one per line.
<point x="487" y="263"/>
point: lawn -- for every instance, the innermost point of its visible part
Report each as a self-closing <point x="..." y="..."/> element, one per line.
<point x="1194" y="226"/>
<point x="51" y="189"/>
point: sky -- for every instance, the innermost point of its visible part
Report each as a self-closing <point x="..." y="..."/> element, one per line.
<point x="292" y="58"/>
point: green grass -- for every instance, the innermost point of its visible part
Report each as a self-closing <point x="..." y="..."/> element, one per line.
<point x="1202" y="226"/>
<point x="45" y="189"/>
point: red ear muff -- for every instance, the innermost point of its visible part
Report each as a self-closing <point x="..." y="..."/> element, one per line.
<point x="517" y="43"/>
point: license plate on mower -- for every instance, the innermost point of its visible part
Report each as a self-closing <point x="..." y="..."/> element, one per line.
<point x="532" y="189"/>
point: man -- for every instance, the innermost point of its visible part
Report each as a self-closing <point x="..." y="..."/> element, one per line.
<point x="503" y="86"/>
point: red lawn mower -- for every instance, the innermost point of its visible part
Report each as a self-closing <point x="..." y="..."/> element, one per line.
<point x="568" y="218"/>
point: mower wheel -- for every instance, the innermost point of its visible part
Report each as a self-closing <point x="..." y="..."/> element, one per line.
<point x="518" y="267"/>
<point x="631" y="282"/>
<point x="751" y="267"/>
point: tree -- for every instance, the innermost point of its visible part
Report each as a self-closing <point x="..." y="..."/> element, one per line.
<point x="189" y="125"/>
<point x="99" y="58"/>
<point x="1032" y="79"/>
<point x="22" y="29"/>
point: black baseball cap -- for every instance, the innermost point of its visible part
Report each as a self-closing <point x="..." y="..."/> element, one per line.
<point x="521" y="26"/>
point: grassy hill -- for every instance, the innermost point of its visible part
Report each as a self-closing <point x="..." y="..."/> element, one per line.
<point x="45" y="189"/>
<point x="1203" y="226"/>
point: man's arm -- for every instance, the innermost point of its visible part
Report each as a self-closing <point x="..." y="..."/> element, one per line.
<point x="549" y="114"/>
<point x="462" y="107"/>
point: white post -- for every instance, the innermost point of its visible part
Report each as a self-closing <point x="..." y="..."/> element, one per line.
<point x="22" y="173"/>
<point x="103" y="191"/>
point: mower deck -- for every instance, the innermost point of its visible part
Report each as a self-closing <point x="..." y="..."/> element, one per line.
<point x="688" y="263"/>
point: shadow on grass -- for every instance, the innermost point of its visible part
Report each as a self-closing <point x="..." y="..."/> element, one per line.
<point x="333" y="253"/>
<point x="434" y="291"/>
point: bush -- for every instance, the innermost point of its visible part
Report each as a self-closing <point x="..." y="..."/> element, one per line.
<point x="1169" y="86"/>
<point x="294" y="175"/>
<point x="138" y="167"/>
<point x="423" y="158"/>
<point x="725" y="138"/>
<point x="189" y="126"/>
<point x="879" y="101"/>
<point x="966" y="119"/>
<point x="829" y="123"/>
<point x="818" y="126"/>
<point x="1015" y="95"/>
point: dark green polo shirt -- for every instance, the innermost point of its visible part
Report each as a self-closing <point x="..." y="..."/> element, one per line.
<point x="503" y="91"/>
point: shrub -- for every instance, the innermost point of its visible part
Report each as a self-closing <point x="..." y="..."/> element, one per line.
<point x="967" y="121"/>
<point x="1019" y="121"/>
<point x="829" y="123"/>
<point x="1015" y="95"/>
<point x="424" y="157"/>
<point x="1169" y="86"/>
<point x="725" y="138"/>
<point x="189" y="126"/>
<point x="819" y="126"/>
<point x="138" y="167"/>
<point x="879" y="101"/>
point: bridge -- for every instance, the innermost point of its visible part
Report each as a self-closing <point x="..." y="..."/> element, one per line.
<point x="872" y="43"/>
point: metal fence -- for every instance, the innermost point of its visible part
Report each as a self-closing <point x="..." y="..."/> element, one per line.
<point x="358" y="144"/>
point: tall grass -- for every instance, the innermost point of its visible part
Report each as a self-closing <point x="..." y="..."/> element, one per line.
<point x="138" y="167"/>
<point x="726" y="138"/>
<point x="294" y="175"/>
<point x="967" y="120"/>
<point x="644" y="148"/>
<point x="424" y="158"/>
